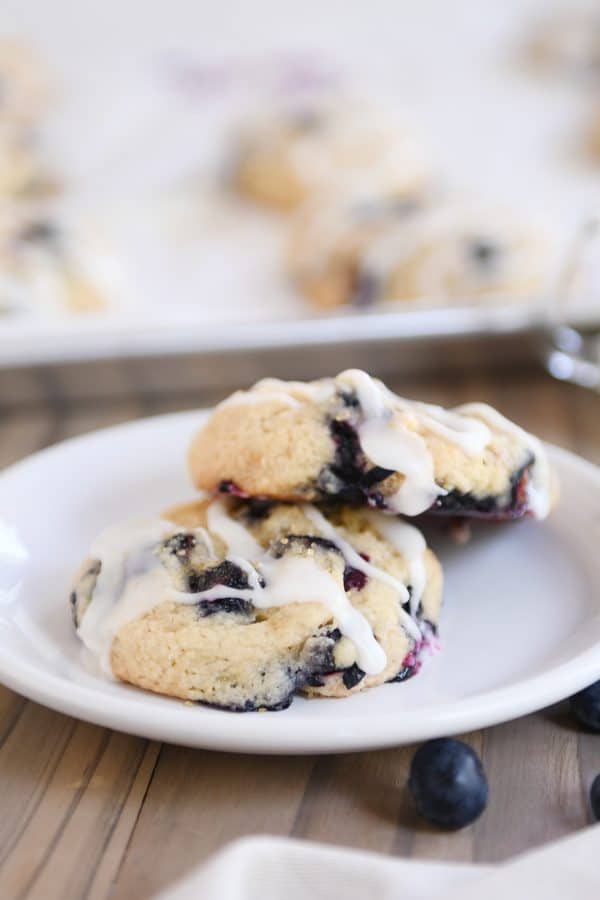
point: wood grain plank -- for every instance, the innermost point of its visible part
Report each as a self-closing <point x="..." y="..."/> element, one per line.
<point x="28" y="758"/>
<point x="74" y="809"/>
<point x="86" y="804"/>
<point x="589" y="763"/>
<point x="22" y="434"/>
<point x="584" y="410"/>
<point x="198" y="801"/>
<point x="535" y="796"/>
<point x="357" y="800"/>
<point x="108" y="865"/>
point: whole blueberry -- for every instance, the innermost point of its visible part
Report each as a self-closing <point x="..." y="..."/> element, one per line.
<point x="595" y="798"/>
<point x="585" y="706"/>
<point x="448" y="783"/>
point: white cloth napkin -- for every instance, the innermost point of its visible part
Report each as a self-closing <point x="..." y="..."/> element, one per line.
<point x="269" y="868"/>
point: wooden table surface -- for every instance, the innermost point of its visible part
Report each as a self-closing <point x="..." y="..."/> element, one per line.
<point x="86" y="812"/>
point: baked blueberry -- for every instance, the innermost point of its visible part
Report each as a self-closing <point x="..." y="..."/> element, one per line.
<point x="40" y="232"/>
<point x="448" y="783"/>
<point x="595" y="798"/>
<point x="585" y="706"/>
<point x="181" y="545"/>
<point x="234" y="605"/>
<point x="484" y="253"/>
<point x="353" y="676"/>
<point x="354" y="579"/>
<point x="226" y="573"/>
<point x="367" y="288"/>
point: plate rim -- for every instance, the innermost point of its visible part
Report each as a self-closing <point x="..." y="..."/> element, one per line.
<point x="265" y="734"/>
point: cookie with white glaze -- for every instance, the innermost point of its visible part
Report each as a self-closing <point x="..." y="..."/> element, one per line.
<point x="243" y="604"/>
<point x="24" y="79"/>
<point x="364" y="252"/>
<point x="46" y="266"/>
<point x="567" y="43"/>
<point x="24" y="98"/>
<point x="349" y="439"/>
<point x="300" y="151"/>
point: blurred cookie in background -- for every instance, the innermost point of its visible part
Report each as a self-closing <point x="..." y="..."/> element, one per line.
<point x="25" y="99"/>
<point x="283" y="158"/>
<point x="360" y="254"/>
<point x="24" y="170"/>
<point x="25" y="83"/>
<point x="46" y="266"/>
<point x="567" y="43"/>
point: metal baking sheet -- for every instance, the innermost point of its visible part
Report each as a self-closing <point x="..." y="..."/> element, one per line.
<point x="209" y="281"/>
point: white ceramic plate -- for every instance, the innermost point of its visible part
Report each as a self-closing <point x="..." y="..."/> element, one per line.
<point x="520" y="628"/>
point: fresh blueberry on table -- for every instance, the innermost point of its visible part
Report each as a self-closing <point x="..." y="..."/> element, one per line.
<point x="595" y="798"/>
<point x="585" y="706"/>
<point x="448" y="783"/>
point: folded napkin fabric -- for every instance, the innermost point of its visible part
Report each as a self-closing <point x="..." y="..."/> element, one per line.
<point x="270" y="868"/>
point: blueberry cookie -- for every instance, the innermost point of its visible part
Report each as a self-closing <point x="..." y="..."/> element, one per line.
<point x="241" y="604"/>
<point x="366" y="252"/>
<point x="23" y="170"/>
<point x="349" y="439"/>
<point x="47" y="267"/>
<point x="23" y="100"/>
<point x="568" y="43"/>
<point x="23" y="84"/>
<point x="291" y="156"/>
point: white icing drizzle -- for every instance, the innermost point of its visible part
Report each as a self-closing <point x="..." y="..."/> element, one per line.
<point x="296" y="580"/>
<point x="539" y="484"/>
<point x="387" y="442"/>
<point x="357" y="562"/>
<point x="203" y="533"/>
<point x="238" y="539"/>
<point x="301" y="580"/>
<point x="132" y="581"/>
<point x="470" y="435"/>
<point x="409" y="541"/>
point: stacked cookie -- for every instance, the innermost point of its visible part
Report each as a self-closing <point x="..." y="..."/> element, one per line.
<point x="46" y="265"/>
<point x="297" y="571"/>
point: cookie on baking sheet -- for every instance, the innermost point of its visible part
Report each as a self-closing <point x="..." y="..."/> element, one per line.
<point x="349" y="439"/>
<point x="284" y="158"/>
<point x="567" y="42"/>
<point x="242" y="604"/>
<point x="47" y="266"/>
<point x="360" y="252"/>
<point x="24" y="81"/>
<point x="24" y="99"/>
